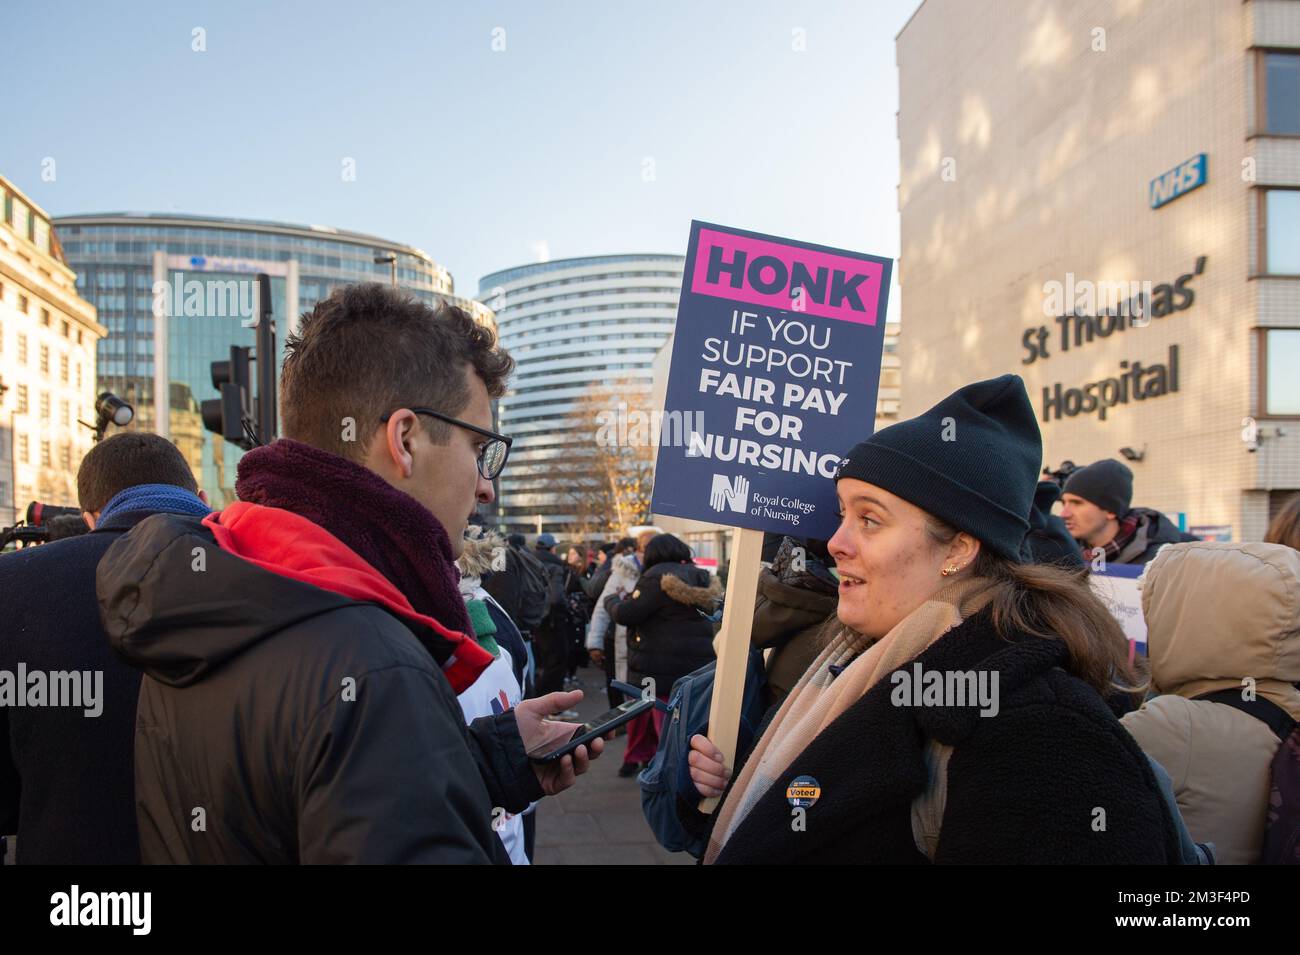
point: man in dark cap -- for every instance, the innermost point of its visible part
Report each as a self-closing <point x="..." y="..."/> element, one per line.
<point x="1095" y="508"/>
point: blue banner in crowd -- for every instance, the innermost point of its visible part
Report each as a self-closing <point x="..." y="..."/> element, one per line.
<point x="775" y="367"/>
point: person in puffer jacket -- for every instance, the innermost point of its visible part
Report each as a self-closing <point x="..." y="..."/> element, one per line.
<point x="669" y="634"/>
<point x="1217" y="614"/>
<point x="672" y="636"/>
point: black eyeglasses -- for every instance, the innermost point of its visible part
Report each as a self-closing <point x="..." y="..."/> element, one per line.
<point x="492" y="459"/>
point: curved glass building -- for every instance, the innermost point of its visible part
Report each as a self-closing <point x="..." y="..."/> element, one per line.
<point x="207" y="264"/>
<point x="571" y="324"/>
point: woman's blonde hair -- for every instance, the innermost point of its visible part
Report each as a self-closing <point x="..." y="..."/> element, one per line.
<point x="1055" y="603"/>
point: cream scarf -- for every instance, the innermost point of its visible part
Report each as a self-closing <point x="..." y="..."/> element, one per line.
<point x="819" y="698"/>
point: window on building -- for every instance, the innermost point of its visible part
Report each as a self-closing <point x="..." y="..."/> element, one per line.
<point x="22" y="349"/>
<point x="1280" y="359"/>
<point x="66" y="454"/>
<point x="1282" y="93"/>
<point x="45" y="317"/>
<point x="65" y="328"/>
<point x="63" y="368"/>
<point x="22" y="399"/>
<point x="22" y="303"/>
<point x="67" y="414"/>
<point x="19" y="216"/>
<point x="24" y="449"/>
<point x="45" y="406"/>
<point x="45" y="359"/>
<point x="46" y="460"/>
<point x="1281" y="243"/>
<point x="78" y="376"/>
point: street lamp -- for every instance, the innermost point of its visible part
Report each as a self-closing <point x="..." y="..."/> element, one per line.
<point x="391" y="259"/>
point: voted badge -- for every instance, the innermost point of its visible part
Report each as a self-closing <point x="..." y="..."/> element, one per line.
<point x="803" y="792"/>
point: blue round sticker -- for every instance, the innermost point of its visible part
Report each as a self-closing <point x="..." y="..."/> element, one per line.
<point x="803" y="791"/>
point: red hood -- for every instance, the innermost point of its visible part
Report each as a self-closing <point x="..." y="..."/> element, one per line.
<point x="286" y="544"/>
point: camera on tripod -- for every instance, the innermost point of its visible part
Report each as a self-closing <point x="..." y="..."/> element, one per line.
<point x="1061" y="474"/>
<point x="44" y="523"/>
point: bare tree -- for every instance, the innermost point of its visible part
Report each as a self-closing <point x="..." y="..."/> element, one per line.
<point x="605" y="468"/>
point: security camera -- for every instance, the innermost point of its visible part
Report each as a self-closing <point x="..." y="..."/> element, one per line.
<point x="1254" y="434"/>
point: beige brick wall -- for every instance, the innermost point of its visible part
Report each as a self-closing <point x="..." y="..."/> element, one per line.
<point x="1049" y="145"/>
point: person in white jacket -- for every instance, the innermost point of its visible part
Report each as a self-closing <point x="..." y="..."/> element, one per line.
<point x="622" y="580"/>
<point x="642" y="741"/>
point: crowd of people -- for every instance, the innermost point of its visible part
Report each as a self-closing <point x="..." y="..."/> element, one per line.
<point x="347" y="665"/>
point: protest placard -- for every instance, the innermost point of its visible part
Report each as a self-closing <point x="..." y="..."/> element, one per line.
<point x="775" y="367"/>
<point x="1117" y="586"/>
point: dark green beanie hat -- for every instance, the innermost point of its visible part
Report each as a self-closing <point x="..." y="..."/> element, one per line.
<point x="1108" y="484"/>
<point x="972" y="461"/>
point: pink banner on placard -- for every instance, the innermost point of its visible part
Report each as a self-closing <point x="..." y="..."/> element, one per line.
<point x="759" y="272"/>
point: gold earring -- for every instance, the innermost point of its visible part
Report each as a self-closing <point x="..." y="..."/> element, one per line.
<point x="950" y="569"/>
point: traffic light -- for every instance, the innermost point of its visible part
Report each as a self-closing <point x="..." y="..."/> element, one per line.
<point x="229" y="414"/>
<point x="235" y="415"/>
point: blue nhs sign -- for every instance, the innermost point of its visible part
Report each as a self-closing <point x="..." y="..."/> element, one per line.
<point x="1183" y="178"/>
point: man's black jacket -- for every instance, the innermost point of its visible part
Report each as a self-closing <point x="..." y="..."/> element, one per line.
<point x="282" y="722"/>
<point x="66" y="787"/>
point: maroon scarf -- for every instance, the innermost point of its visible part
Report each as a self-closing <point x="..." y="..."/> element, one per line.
<point x="1128" y="528"/>
<point x="389" y="529"/>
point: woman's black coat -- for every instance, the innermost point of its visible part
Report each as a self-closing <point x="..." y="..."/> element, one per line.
<point x="671" y="637"/>
<point x="1052" y="778"/>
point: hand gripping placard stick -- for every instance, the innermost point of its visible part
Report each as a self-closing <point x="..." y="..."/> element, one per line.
<point x="732" y="645"/>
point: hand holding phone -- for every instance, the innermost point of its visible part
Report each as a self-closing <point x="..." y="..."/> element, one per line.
<point x="554" y="749"/>
<point x="536" y="730"/>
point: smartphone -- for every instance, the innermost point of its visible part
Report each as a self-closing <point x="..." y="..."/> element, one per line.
<point x="555" y="749"/>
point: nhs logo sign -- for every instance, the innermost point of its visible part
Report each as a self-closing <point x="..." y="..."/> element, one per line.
<point x="1182" y="179"/>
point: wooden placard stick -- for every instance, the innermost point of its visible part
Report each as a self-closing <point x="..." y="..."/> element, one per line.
<point x="732" y="644"/>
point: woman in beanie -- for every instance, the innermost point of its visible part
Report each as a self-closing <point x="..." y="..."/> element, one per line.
<point x="956" y="715"/>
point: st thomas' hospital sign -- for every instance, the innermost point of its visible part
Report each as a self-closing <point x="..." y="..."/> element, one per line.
<point x="1084" y="311"/>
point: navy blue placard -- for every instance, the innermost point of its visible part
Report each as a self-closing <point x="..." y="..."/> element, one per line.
<point x="775" y="368"/>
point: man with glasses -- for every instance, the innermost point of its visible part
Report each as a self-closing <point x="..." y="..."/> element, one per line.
<point x="303" y="648"/>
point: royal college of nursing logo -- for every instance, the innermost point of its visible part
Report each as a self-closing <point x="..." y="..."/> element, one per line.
<point x="729" y="493"/>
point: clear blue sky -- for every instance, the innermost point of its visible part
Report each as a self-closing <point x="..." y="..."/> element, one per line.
<point x="473" y="155"/>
